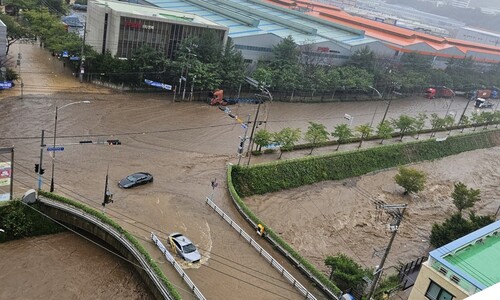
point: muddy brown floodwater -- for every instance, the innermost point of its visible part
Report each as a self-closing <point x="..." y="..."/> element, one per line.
<point x="185" y="146"/>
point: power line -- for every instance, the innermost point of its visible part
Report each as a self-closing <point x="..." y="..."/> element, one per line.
<point x="156" y="230"/>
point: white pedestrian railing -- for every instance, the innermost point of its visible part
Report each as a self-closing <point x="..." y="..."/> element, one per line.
<point x="177" y="267"/>
<point x="262" y="252"/>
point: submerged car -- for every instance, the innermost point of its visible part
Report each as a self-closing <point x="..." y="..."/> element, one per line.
<point x="184" y="247"/>
<point x="135" y="180"/>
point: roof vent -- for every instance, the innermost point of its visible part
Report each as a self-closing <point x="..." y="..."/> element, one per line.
<point x="455" y="279"/>
<point x="443" y="271"/>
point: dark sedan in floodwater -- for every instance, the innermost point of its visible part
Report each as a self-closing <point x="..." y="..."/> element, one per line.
<point x="135" y="180"/>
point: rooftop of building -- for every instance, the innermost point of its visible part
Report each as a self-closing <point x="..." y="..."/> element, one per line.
<point x="151" y="11"/>
<point x="253" y="17"/>
<point x="398" y="38"/>
<point x="474" y="257"/>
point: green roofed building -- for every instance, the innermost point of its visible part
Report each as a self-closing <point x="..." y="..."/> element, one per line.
<point x="462" y="268"/>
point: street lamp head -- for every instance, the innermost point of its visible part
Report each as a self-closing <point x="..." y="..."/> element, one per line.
<point x="86" y="101"/>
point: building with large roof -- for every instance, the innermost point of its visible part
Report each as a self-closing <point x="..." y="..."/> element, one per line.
<point x="3" y="40"/>
<point x="122" y="28"/>
<point x="399" y="39"/>
<point x="256" y="26"/>
<point x="461" y="268"/>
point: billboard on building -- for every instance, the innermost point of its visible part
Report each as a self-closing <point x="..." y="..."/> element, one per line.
<point x="5" y="175"/>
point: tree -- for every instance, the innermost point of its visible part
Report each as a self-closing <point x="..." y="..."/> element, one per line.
<point x="451" y="229"/>
<point x="412" y="180"/>
<point x="262" y="138"/>
<point x="14" y="30"/>
<point x="465" y="123"/>
<point x="448" y="121"/>
<point x="287" y="138"/>
<point x="476" y="119"/>
<point x="44" y="24"/>
<point x="346" y="273"/>
<point x="456" y="227"/>
<point x="405" y="124"/>
<point x="207" y="47"/>
<point x="316" y="134"/>
<point x="285" y="66"/>
<point x="342" y="132"/>
<point x="420" y="123"/>
<point x="384" y="130"/>
<point x="488" y="117"/>
<point x="464" y="198"/>
<point x="233" y="64"/>
<point x="364" y="130"/>
<point x="363" y="58"/>
<point x="437" y="123"/>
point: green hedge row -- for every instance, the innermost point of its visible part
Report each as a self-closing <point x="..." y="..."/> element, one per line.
<point x="271" y="177"/>
<point x="130" y="238"/>
<point x="280" y="175"/>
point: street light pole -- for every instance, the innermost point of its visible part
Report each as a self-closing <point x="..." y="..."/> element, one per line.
<point x="82" y="54"/>
<point x="54" y="144"/>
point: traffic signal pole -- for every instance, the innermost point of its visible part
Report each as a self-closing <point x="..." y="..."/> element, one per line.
<point x="40" y="172"/>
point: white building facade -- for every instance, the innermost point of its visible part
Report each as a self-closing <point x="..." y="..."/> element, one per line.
<point x="123" y="28"/>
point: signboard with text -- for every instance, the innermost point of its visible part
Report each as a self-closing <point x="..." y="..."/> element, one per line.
<point x="158" y="84"/>
<point x="5" y="175"/>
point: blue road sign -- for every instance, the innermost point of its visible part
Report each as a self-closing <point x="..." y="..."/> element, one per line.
<point x="55" y="148"/>
<point x="158" y="84"/>
<point x="5" y="85"/>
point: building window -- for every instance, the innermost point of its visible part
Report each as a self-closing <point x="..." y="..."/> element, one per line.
<point x="435" y="292"/>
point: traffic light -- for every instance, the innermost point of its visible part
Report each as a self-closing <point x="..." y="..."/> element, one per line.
<point x="114" y="142"/>
<point x="42" y="171"/>
<point x="242" y="144"/>
<point x="37" y="166"/>
<point x="108" y="198"/>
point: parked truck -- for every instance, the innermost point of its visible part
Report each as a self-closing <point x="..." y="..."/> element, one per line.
<point x="439" y="92"/>
<point x="493" y="93"/>
<point x="217" y="98"/>
<point x="482" y="103"/>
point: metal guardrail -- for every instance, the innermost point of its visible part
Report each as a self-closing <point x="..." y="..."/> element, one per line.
<point x="294" y="282"/>
<point x="293" y="260"/>
<point x="117" y="235"/>
<point x="177" y="267"/>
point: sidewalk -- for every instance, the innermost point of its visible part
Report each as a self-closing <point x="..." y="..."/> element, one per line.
<point x="44" y="74"/>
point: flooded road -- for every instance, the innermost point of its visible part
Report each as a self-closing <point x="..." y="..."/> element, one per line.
<point x="184" y="145"/>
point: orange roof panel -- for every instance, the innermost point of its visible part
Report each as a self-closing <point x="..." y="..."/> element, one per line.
<point x="397" y="37"/>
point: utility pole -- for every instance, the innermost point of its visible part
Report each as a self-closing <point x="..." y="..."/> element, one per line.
<point x="463" y="113"/>
<point x="82" y="54"/>
<point x="19" y="57"/>
<point x="386" y="110"/>
<point x="249" y="150"/>
<point x="242" y="141"/>
<point x="108" y="196"/>
<point x="397" y="212"/>
<point x="40" y="170"/>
